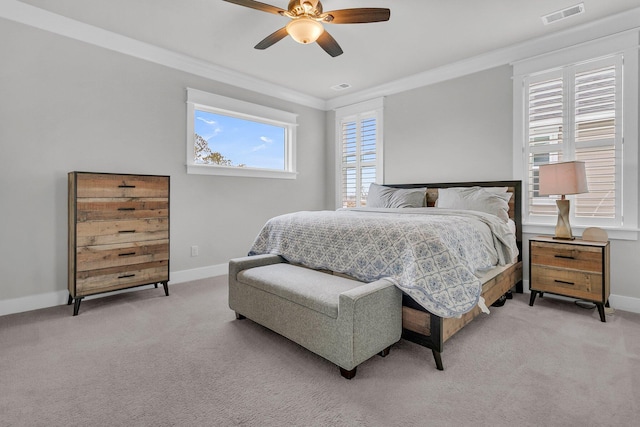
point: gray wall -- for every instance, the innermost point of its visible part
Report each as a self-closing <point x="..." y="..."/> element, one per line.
<point x="66" y="105"/>
<point x="461" y="130"/>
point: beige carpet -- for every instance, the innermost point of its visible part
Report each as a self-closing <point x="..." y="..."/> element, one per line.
<point x="142" y="359"/>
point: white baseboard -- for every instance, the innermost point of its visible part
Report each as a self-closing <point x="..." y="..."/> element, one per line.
<point x="52" y="299"/>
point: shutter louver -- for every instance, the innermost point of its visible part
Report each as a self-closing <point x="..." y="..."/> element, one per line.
<point x="359" y="157"/>
<point x="595" y="136"/>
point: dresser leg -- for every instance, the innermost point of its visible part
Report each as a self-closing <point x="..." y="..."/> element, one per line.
<point x="165" y="285"/>
<point x="532" y="298"/>
<point x="601" y="311"/>
<point x="76" y="306"/>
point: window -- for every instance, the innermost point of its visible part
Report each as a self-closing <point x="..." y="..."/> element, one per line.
<point x="359" y="150"/>
<point x="580" y="111"/>
<point x="230" y="137"/>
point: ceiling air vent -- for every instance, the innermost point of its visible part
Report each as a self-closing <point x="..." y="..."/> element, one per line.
<point x="563" y="14"/>
<point x="341" y="86"/>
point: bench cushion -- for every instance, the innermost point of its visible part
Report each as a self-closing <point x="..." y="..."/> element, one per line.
<point x="310" y="288"/>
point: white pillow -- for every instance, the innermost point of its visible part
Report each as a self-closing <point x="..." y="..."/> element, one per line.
<point x="388" y="197"/>
<point x="476" y="199"/>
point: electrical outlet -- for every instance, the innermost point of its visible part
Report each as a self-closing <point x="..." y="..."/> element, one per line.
<point x="194" y="251"/>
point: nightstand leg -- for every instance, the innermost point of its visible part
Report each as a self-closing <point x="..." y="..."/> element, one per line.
<point x="165" y="285"/>
<point x="601" y="311"/>
<point x="532" y="298"/>
<point x="70" y="300"/>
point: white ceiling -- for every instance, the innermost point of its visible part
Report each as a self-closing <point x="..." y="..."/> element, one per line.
<point x="421" y="35"/>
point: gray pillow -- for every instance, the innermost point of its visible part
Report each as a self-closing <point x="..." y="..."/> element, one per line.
<point x="475" y="199"/>
<point x="388" y="197"/>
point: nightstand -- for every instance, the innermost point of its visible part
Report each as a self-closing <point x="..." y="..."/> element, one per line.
<point x="572" y="268"/>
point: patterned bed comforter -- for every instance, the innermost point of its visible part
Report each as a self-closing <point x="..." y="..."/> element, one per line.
<point x="432" y="254"/>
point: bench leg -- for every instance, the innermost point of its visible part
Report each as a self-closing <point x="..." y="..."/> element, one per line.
<point x="239" y="316"/>
<point x="348" y="374"/>
<point x="385" y="352"/>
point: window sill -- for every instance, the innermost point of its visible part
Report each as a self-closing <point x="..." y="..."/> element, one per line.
<point x="614" y="233"/>
<point x="240" y="172"/>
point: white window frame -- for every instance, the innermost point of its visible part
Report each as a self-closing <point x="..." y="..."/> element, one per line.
<point x="625" y="44"/>
<point x="217" y="104"/>
<point x="358" y="112"/>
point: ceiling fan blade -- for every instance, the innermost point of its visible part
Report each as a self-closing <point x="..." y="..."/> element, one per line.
<point x="272" y="38"/>
<point x="358" y="16"/>
<point x="329" y="44"/>
<point x="257" y="5"/>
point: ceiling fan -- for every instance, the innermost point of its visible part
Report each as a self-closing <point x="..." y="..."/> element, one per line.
<point x="307" y="18"/>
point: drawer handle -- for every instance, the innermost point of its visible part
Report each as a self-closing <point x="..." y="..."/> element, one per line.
<point x="564" y="256"/>
<point x="564" y="282"/>
<point x="126" y="209"/>
<point x="126" y="231"/>
<point x="127" y="254"/>
<point x="124" y="276"/>
<point x="126" y="186"/>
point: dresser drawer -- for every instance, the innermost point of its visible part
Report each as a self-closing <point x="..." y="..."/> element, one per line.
<point x="577" y="284"/>
<point x="112" y="185"/>
<point x="93" y="233"/>
<point x="92" y="209"/>
<point x="560" y="255"/>
<point x="103" y="256"/>
<point x="110" y="279"/>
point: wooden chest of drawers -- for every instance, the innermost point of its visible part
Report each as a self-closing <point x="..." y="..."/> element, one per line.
<point x="573" y="268"/>
<point x="118" y="233"/>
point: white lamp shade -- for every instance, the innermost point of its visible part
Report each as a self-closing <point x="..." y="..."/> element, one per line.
<point x="562" y="178"/>
<point x="305" y="30"/>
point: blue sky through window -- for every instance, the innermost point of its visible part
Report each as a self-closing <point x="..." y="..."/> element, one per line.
<point x="244" y="142"/>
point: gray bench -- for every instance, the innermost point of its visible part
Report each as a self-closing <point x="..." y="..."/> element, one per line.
<point x="343" y="320"/>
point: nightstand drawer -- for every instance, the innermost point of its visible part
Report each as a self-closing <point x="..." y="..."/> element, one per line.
<point x="584" y="258"/>
<point x="578" y="284"/>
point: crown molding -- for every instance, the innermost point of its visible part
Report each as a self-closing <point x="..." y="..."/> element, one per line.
<point x="17" y="11"/>
<point x="23" y="13"/>
<point x="611" y="25"/>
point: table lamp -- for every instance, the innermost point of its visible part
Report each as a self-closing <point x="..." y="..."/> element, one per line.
<point x="562" y="179"/>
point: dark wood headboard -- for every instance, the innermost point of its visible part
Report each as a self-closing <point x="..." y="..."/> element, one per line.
<point x="515" y="204"/>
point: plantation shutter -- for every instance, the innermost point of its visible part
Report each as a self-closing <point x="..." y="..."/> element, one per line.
<point x="574" y="114"/>
<point x="359" y="136"/>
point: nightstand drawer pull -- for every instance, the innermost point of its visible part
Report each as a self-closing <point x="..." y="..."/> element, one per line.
<point x="126" y="231"/>
<point x="126" y="209"/>
<point x="127" y="254"/>
<point x="564" y="282"/>
<point x="564" y="256"/>
<point x="124" y="276"/>
<point x="126" y="186"/>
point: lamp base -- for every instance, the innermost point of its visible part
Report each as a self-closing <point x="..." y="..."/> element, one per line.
<point x="563" y="228"/>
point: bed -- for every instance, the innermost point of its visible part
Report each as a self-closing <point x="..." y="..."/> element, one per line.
<point x="438" y="257"/>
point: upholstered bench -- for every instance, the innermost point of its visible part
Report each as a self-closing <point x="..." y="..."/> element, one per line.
<point x="343" y="320"/>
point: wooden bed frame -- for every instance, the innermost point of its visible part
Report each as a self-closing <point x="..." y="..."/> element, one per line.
<point x="429" y="330"/>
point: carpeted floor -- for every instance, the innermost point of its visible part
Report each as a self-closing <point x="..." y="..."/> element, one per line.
<point x="142" y="359"/>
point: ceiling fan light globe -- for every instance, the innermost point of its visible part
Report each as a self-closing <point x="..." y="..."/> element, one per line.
<point x="305" y="30"/>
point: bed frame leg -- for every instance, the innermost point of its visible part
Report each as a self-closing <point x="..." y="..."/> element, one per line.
<point x="348" y="374"/>
<point x="438" y="357"/>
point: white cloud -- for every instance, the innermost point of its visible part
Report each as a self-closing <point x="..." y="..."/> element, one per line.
<point x="259" y="147"/>
<point x="265" y="139"/>
<point x="209" y="122"/>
